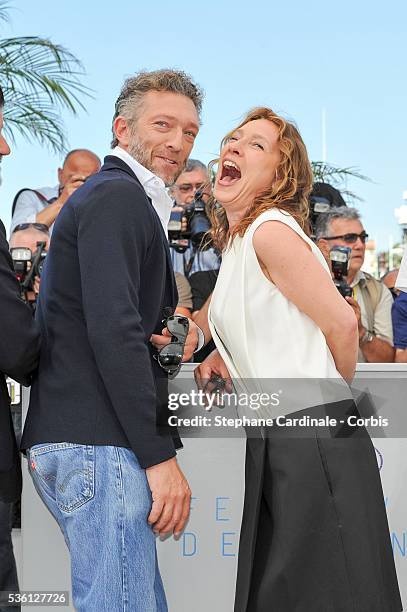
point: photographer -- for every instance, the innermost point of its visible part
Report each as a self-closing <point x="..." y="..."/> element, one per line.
<point x="194" y="258"/>
<point x="29" y="236"/>
<point x="194" y="178"/>
<point x="322" y="199"/>
<point x="371" y="300"/>
<point x="19" y="346"/>
<point x="44" y="204"/>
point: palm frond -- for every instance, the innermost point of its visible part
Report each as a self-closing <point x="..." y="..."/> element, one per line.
<point x="350" y="196"/>
<point x="37" y="65"/>
<point x="34" y="121"/>
<point x="326" y="173"/>
<point x="4" y="8"/>
<point x="338" y="177"/>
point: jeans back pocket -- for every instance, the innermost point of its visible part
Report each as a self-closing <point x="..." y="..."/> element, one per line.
<point x="64" y="471"/>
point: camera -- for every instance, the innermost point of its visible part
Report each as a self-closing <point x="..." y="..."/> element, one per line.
<point x="339" y="257"/>
<point x="28" y="266"/>
<point x="189" y="226"/>
<point x="322" y="198"/>
<point x="317" y="205"/>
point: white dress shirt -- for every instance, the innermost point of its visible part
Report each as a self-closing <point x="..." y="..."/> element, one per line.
<point x="153" y="186"/>
<point x="155" y="189"/>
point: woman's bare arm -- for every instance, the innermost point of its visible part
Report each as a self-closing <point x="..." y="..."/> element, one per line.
<point x="287" y="260"/>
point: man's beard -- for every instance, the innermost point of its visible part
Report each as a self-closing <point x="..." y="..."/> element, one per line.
<point x="141" y="154"/>
<point x="137" y="150"/>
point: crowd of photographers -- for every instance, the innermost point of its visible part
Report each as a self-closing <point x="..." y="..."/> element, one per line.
<point x="337" y="229"/>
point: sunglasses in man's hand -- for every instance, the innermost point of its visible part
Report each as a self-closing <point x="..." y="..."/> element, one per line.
<point x="170" y="356"/>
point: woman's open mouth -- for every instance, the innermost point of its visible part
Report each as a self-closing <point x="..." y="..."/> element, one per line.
<point x="230" y="173"/>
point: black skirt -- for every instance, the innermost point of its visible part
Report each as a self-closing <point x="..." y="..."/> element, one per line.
<point x="314" y="535"/>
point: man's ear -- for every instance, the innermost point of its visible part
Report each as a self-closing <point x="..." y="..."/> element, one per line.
<point x="121" y="130"/>
<point x="60" y="176"/>
<point x="322" y="244"/>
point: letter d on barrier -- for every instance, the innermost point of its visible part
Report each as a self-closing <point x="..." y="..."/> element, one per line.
<point x="188" y="544"/>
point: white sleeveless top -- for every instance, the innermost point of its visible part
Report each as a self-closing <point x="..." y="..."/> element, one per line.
<point x="263" y="337"/>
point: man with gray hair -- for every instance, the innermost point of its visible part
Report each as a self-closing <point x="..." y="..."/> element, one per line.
<point x="371" y="300"/>
<point x="193" y="178"/>
<point x="100" y="463"/>
<point x="199" y="267"/>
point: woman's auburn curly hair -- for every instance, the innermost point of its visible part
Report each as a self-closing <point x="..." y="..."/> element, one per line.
<point x="288" y="192"/>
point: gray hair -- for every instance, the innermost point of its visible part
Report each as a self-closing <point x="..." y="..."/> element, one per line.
<point x="195" y="164"/>
<point x="325" y="219"/>
<point x="134" y="89"/>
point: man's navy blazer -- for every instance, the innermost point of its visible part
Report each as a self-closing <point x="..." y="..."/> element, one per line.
<point x="106" y="284"/>
<point x="19" y="347"/>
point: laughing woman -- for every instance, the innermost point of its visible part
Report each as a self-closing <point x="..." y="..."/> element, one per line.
<point x="314" y="534"/>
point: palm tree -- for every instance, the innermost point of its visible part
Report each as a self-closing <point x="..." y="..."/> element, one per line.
<point x="39" y="79"/>
<point x="337" y="177"/>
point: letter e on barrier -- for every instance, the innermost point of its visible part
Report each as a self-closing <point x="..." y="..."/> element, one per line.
<point x="226" y="543"/>
<point x="219" y="509"/>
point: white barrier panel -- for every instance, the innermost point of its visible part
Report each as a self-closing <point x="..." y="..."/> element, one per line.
<point x="199" y="570"/>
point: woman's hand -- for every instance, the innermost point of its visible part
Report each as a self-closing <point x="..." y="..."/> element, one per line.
<point x="211" y="372"/>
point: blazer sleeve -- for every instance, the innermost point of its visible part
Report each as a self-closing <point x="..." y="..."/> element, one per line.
<point x="19" y="338"/>
<point x="115" y="230"/>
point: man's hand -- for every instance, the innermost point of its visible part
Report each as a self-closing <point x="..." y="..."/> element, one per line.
<point x="48" y="214"/>
<point x="171" y="498"/>
<point x="209" y="371"/>
<point x="190" y="344"/>
<point x="358" y="313"/>
<point x="184" y="223"/>
<point x="70" y="186"/>
<point x="37" y="281"/>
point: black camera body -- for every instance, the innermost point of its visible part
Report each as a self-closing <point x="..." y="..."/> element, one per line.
<point x="317" y="205"/>
<point x="339" y="256"/>
<point x="197" y="226"/>
<point x="322" y="198"/>
<point x="28" y="266"/>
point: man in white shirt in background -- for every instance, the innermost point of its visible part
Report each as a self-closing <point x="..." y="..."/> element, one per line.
<point x="43" y="205"/>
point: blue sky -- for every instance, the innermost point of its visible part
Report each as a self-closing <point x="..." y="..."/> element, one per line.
<point x="298" y="57"/>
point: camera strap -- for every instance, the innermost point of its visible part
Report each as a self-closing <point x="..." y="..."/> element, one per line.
<point x="39" y="195"/>
<point x="188" y="264"/>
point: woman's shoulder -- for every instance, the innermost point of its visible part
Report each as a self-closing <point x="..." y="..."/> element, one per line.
<point x="276" y="214"/>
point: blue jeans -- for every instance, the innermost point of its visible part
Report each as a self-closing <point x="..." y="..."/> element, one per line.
<point x="100" y="497"/>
